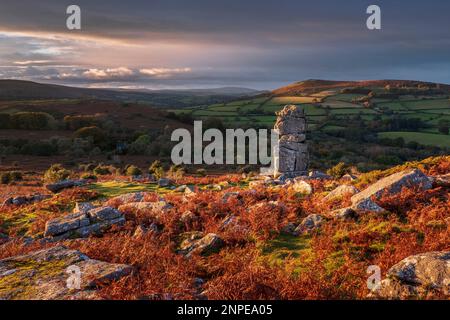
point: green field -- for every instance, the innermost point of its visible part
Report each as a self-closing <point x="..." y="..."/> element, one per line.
<point x="322" y="106"/>
<point x="430" y="139"/>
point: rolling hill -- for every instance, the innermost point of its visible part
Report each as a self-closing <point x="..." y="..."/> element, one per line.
<point x="27" y="90"/>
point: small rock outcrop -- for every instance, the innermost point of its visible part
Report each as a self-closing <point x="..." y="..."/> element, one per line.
<point x="47" y="274"/>
<point x="21" y="200"/>
<point x="341" y="191"/>
<point x="417" y="276"/>
<point x="301" y="187"/>
<point x="293" y="152"/>
<point x="61" y="185"/>
<point x="309" y="224"/>
<point x="196" y="243"/>
<point x="389" y="185"/>
<point x="83" y="224"/>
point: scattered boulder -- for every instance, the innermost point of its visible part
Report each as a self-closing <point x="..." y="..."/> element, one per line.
<point x="289" y="228"/>
<point x="196" y="244"/>
<point x="394" y="184"/>
<point x="83" y="207"/>
<point x="302" y="187"/>
<point x="188" y="217"/>
<point x="442" y="180"/>
<point x="256" y="183"/>
<point x="344" y="214"/>
<point x="22" y="200"/>
<point x="83" y="224"/>
<point x="270" y="205"/>
<point x="231" y="222"/>
<point x="64" y="224"/>
<point x="163" y="182"/>
<point x="309" y="224"/>
<point x="417" y="276"/>
<point x="367" y="205"/>
<point x="349" y="177"/>
<point x="103" y="214"/>
<point x="340" y="192"/>
<point x="65" y="184"/>
<point x="47" y="274"/>
<point x="319" y="175"/>
<point x="233" y="195"/>
<point x="125" y="198"/>
<point x="157" y="207"/>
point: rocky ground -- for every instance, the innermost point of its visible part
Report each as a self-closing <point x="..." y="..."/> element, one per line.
<point x="233" y="237"/>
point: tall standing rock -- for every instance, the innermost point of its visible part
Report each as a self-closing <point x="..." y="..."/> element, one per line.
<point x="293" y="153"/>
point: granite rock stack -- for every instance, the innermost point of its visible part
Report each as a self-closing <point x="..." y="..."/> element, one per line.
<point x="293" y="152"/>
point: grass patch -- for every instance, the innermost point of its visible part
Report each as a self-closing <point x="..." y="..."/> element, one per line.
<point x="429" y="139"/>
<point x="116" y="188"/>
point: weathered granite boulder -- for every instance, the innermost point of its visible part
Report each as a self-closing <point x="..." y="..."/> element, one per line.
<point x="309" y="224"/>
<point x="417" y="276"/>
<point x="21" y="200"/>
<point x="363" y="201"/>
<point x="301" y="187"/>
<point x="54" y="274"/>
<point x="157" y="206"/>
<point x="231" y="195"/>
<point x="83" y="207"/>
<point x="293" y="152"/>
<point x="341" y="191"/>
<point x="344" y="214"/>
<point x="442" y="180"/>
<point x="83" y="224"/>
<point x="163" y="182"/>
<point x="65" y="184"/>
<point x="394" y="184"/>
<point x="66" y="223"/>
<point x="349" y="177"/>
<point x="196" y="243"/>
<point x="319" y="175"/>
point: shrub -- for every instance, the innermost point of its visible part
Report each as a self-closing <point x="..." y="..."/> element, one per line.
<point x="10" y="176"/>
<point x="338" y="170"/>
<point x="176" y="172"/>
<point x="32" y="120"/>
<point x="133" y="171"/>
<point x="156" y="169"/>
<point x="102" y="170"/>
<point x="88" y="176"/>
<point x="56" y="173"/>
<point x="97" y="135"/>
<point x="87" y="167"/>
<point x="5" y="121"/>
<point x="201" y="172"/>
<point x="39" y="148"/>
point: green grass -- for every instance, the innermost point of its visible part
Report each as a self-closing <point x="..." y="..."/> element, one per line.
<point x="277" y="250"/>
<point x="429" y="139"/>
<point x="116" y="188"/>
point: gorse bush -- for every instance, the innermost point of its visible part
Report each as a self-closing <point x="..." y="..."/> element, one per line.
<point x="88" y="176"/>
<point x="102" y="170"/>
<point x="176" y="172"/>
<point x="156" y="169"/>
<point x="133" y="171"/>
<point x="95" y="133"/>
<point x="10" y="176"/>
<point x="56" y="173"/>
<point x="338" y="170"/>
<point x="32" y="121"/>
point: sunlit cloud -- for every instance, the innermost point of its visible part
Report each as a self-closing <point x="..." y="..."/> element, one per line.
<point x="164" y="72"/>
<point x="111" y="73"/>
<point x="31" y="62"/>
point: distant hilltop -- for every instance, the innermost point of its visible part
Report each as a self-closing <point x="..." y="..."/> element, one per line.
<point x="314" y="85"/>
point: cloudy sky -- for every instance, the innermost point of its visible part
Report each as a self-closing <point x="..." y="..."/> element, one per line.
<point x="259" y="44"/>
